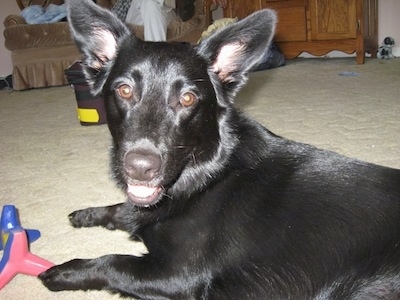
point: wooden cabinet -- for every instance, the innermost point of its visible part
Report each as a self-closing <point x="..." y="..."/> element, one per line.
<point x="318" y="26"/>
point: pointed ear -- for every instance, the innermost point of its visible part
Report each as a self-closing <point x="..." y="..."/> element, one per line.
<point x="234" y="50"/>
<point x="97" y="33"/>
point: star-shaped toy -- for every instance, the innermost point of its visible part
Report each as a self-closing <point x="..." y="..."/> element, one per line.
<point x="15" y="245"/>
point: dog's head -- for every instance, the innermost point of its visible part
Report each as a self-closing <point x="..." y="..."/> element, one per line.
<point x="388" y="41"/>
<point x="168" y="104"/>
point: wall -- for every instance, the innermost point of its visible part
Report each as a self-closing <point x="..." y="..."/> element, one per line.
<point x="389" y="23"/>
<point x="7" y="7"/>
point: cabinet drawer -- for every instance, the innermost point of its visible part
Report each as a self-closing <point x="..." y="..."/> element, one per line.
<point x="292" y="20"/>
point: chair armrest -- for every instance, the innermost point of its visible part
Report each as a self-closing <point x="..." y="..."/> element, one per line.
<point x="208" y="8"/>
<point x="37" y="35"/>
<point x="12" y="20"/>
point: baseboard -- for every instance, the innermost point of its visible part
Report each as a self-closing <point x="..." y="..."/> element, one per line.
<point x="395" y="52"/>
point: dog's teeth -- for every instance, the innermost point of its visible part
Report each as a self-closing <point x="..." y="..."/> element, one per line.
<point x="141" y="191"/>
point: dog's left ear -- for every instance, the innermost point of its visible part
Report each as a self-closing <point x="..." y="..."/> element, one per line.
<point x="234" y="50"/>
<point x="97" y="33"/>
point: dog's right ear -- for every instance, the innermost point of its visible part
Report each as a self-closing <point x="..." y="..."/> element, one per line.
<point x="235" y="49"/>
<point x="97" y="33"/>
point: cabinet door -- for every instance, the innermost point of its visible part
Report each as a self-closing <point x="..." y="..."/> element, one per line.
<point x="241" y="9"/>
<point x="333" y="19"/>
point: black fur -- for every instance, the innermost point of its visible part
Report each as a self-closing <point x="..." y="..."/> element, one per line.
<point x="227" y="209"/>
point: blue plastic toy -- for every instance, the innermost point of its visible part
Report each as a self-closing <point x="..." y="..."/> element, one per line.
<point x="15" y="245"/>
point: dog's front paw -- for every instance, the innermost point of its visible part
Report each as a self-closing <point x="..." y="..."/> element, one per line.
<point x="85" y="218"/>
<point x="68" y="276"/>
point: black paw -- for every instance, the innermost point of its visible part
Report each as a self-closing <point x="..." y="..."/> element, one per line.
<point x="84" y="218"/>
<point x="64" y="277"/>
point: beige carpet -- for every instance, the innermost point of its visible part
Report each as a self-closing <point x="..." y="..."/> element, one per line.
<point x="50" y="165"/>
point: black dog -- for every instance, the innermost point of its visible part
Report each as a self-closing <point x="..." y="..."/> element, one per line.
<point x="227" y="209"/>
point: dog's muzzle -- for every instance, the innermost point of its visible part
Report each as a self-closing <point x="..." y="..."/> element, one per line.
<point x="141" y="168"/>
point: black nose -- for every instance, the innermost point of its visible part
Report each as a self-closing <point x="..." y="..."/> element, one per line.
<point x="142" y="166"/>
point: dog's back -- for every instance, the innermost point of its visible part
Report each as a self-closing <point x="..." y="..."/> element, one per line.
<point x="300" y="223"/>
<point x="227" y="209"/>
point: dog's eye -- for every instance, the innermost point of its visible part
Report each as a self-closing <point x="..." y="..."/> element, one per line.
<point x="125" y="91"/>
<point x="187" y="99"/>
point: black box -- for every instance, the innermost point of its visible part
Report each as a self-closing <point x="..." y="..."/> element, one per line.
<point x="91" y="110"/>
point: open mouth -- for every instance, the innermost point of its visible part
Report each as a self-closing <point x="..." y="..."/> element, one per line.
<point x="143" y="195"/>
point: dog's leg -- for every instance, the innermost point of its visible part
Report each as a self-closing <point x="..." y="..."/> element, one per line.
<point x="113" y="217"/>
<point x="142" y="277"/>
<point x="85" y="274"/>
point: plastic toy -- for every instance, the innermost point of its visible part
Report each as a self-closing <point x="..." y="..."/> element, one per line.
<point x="15" y="243"/>
<point x="385" y="51"/>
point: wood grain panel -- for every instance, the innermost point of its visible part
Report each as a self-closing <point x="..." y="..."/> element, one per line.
<point x="318" y="26"/>
<point x="333" y="19"/>
<point x="292" y="23"/>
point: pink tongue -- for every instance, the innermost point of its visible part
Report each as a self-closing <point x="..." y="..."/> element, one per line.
<point x="141" y="191"/>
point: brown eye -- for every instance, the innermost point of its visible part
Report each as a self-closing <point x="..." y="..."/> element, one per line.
<point x="125" y="91"/>
<point x="187" y="99"/>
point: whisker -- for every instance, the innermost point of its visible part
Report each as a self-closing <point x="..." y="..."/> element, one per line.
<point x="180" y="146"/>
<point x="166" y="195"/>
<point x="200" y="153"/>
<point x="194" y="158"/>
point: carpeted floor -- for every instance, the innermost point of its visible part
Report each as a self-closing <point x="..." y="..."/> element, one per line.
<point x="50" y="165"/>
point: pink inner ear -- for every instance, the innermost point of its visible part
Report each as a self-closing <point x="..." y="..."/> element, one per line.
<point x="107" y="45"/>
<point x="228" y="60"/>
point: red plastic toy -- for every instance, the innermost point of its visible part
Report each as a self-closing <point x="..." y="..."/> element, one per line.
<point x="15" y="245"/>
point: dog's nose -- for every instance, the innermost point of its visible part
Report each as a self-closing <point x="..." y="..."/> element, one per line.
<point x="142" y="166"/>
